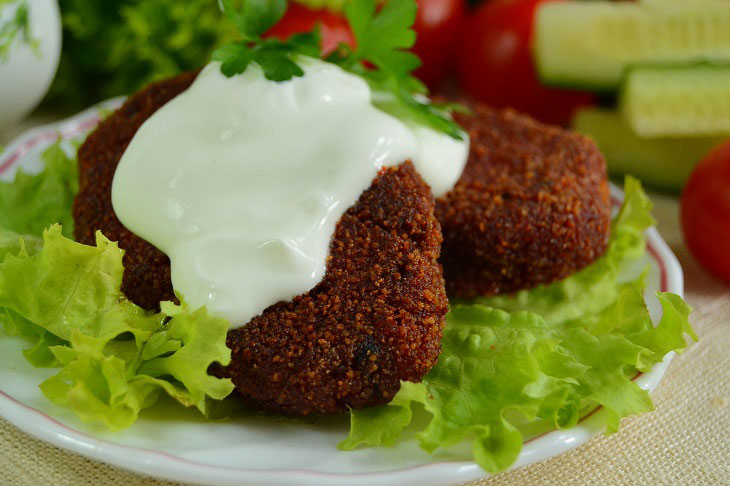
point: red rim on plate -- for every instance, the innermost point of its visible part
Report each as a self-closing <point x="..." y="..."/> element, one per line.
<point x="169" y="466"/>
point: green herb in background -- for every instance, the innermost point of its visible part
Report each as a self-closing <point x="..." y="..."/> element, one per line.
<point x="115" y="47"/>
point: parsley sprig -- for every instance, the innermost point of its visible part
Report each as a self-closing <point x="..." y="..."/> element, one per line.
<point x="382" y="57"/>
<point x="276" y="57"/>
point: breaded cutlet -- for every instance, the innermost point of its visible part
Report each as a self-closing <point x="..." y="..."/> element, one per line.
<point x="375" y="319"/>
<point x="531" y="207"/>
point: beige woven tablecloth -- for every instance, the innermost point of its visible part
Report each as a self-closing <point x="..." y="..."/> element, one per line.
<point x="686" y="441"/>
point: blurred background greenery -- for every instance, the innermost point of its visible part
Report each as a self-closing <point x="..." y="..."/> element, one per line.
<point x="649" y="121"/>
<point x="114" y="47"/>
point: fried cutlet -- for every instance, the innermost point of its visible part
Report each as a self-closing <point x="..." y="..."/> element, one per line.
<point x="375" y="319"/>
<point x="532" y="206"/>
<point x="146" y="280"/>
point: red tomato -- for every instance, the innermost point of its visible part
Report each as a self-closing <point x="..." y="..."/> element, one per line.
<point x="437" y="28"/>
<point x="333" y="27"/>
<point x="495" y="63"/>
<point x="705" y="212"/>
<point x="438" y="25"/>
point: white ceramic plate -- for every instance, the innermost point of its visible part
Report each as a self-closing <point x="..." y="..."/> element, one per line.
<point x="177" y="444"/>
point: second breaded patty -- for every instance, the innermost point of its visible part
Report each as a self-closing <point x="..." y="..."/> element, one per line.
<point x="375" y="319"/>
<point x="532" y="206"/>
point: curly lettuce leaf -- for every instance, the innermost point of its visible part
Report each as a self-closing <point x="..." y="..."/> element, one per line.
<point x="39" y="354"/>
<point x="12" y="242"/>
<point x="550" y="354"/>
<point x="115" y="357"/>
<point x="28" y="204"/>
<point x="32" y="202"/>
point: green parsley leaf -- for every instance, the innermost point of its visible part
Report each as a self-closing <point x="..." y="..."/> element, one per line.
<point x="395" y="95"/>
<point x="277" y="67"/>
<point x="383" y="38"/>
<point x="274" y="56"/>
<point x="381" y="57"/>
<point x="234" y="58"/>
<point x="255" y="16"/>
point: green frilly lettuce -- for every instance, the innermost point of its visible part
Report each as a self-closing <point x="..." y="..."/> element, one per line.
<point x="551" y="353"/>
<point x="114" y="357"/>
<point x="30" y="203"/>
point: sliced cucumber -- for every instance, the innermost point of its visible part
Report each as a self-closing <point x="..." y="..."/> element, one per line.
<point x="664" y="163"/>
<point x="677" y="102"/>
<point x="589" y="45"/>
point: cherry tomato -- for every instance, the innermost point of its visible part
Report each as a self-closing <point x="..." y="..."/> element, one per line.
<point x="495" y="63"/>
<point x="705" y="212"/>
<point x="438" y="25"/>
<point x="437" y="29"/>
<point x="333" y="27"/>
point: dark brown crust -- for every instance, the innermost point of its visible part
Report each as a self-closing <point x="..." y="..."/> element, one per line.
<point x="146" y="269"/>
<point x="532" y="206"/>
<point x="374" y="320"/>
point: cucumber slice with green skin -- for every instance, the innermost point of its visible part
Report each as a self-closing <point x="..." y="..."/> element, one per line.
<point x="589" y="45"/>
<point x="663" y="163"/>
<point x="678" y="102"/>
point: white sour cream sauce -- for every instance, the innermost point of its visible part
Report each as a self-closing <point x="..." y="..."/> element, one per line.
<point x="241" y="180"/>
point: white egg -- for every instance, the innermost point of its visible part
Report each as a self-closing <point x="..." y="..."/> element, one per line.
<point x="26" y="73"/>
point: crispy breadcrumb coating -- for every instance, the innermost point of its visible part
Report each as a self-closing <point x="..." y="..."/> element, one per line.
<point x="146" y="280"/>
<point x="532" y="206"/>
<point x="374" y="320"/>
